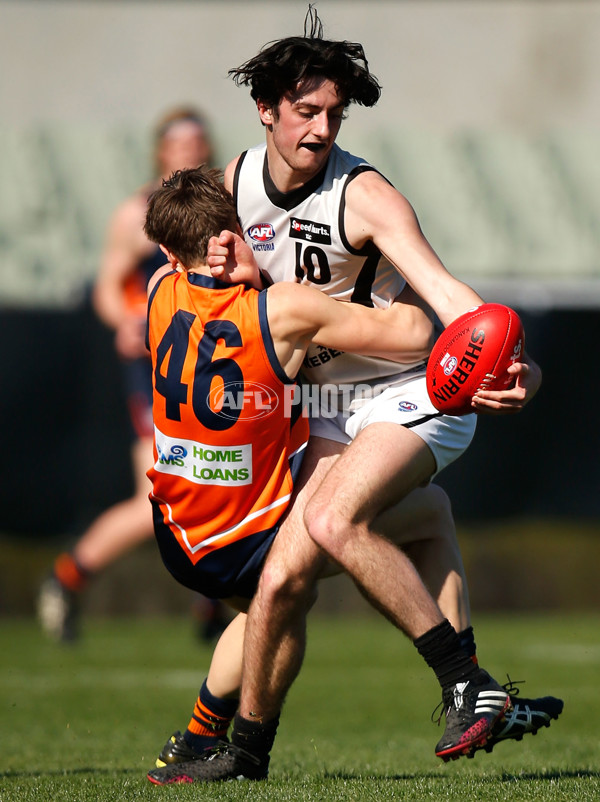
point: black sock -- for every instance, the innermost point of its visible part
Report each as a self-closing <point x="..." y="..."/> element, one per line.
<point x="467" y="641"/>
<point x="440" y="648"/>
<point x="254" y="736"/>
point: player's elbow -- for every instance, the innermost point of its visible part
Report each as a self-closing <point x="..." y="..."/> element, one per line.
<point x="422" y="335"/>
<point x="415" y="331"/>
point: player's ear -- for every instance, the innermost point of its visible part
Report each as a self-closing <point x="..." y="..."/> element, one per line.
<point x="264" y="112"/>
<point x="171" y="258"/>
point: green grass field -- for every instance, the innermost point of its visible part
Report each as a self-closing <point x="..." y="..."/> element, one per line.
<point x="86" y="722"/>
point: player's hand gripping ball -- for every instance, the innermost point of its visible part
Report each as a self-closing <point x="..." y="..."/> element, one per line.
<point x="473" y="353"/>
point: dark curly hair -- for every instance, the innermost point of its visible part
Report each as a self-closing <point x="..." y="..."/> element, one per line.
<point x="286" y="64"/>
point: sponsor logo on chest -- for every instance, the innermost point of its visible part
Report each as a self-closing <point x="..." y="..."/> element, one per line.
<point x="310" y="231"/>
<point x="203" y="464"/>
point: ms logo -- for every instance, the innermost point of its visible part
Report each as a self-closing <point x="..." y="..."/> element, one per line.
<point x="175" y="455"/>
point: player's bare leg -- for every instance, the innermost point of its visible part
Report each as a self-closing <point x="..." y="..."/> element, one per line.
<point x="276" y="626"/>
<point x="423" y="521"/>
<point x="115" y="532"/>
<point x="286" y="591"/>
<point x="423" y="526"/>
<point x="123" y="526"/>
<point x="225" y="673"/>
<point x="383" y="464"/>
<point x="293" y="563"/>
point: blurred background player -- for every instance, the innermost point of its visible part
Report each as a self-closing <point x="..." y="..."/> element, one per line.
<point x="181" y="140"/>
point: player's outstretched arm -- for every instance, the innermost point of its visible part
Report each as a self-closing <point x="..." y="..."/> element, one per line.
<point x="301" y="315"/>
<point x="398" y="235"/>
<point x="377" y="212"/>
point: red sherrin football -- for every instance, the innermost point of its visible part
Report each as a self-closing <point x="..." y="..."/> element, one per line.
<point x="474" y="351"/>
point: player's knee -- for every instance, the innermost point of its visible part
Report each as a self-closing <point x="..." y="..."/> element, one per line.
<point x="325" y="526"/>
<point x="281" y="585"/>
<point x="440" y="512"/>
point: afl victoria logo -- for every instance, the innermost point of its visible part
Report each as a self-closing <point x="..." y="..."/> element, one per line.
<point x="261" y="232"/>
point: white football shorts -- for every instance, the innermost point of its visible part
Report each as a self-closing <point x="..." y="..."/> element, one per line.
<point x="402" y="400"/>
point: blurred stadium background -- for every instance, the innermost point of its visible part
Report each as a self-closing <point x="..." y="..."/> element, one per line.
<point x="489" y="122"/>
